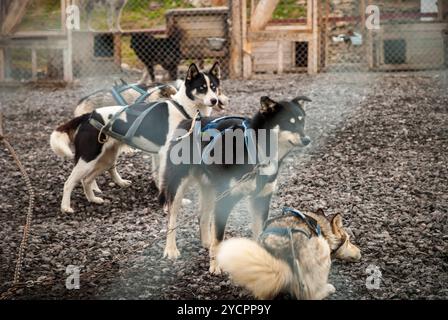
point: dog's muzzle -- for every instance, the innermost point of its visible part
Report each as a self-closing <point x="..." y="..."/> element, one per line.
<point x="305" y="141"/>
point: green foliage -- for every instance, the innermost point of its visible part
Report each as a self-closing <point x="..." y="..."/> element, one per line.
<point x="289" y="9"/>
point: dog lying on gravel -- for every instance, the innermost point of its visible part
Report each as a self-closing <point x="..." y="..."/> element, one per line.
<point x="291" y="255"/>
<point x="220" y="184"/>
<point x="95" y="154"/>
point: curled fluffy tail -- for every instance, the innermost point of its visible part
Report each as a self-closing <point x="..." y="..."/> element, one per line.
<point x="61" y="138"/>
<point x="254" y="268"/>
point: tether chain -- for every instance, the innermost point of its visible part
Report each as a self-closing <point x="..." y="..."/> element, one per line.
<point x="246" y="177"/>
<point x="27" y="227"/>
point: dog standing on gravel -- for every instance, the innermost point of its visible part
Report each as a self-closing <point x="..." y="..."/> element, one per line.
<point x="292" y="255"/>
<point x="164" y="51"/>
<point x="222" y="185"/>
<point x="199" y="92"/>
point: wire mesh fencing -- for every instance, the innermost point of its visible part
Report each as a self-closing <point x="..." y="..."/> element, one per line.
<point x="156" y="40"/>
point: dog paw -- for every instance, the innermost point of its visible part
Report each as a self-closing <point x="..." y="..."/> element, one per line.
<point x="97" y="200"/>
<point x="330" y="288"/>
<point x="171" y="253"/>
<point x="186" y="202"/>
<point x="125" y="183"/>
<point x="97" y="190"/>
<point x="214" y="268"/>
<point x="67" y="210"/>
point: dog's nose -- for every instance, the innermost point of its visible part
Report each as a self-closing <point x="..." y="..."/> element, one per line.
<point x="306" y="140"/>
<point x="213" y="101"/>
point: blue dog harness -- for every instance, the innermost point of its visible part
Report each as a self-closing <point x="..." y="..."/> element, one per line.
<point x="249" y="138"/>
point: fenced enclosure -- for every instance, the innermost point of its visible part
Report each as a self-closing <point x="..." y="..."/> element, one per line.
<point x="156" y="40"/>
<point x="378" y="130"/>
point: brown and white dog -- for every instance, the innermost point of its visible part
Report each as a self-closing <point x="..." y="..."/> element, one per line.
<point x="199" y="92"/>
<point x="289" y="256"/>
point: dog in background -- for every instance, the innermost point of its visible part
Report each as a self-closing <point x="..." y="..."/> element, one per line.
<point x="199" y="92"/>
<point x="268" y="266"/>
<point x="286" y="118"/>
<point x="114" y="12"/>
<point x="163" y="51"/>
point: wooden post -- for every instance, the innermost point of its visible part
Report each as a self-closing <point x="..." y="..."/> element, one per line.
<point x="33" y="64"/>
<point x="280" y="57"/>
<point x="236" y="47"/>
<point x="7" y="63"/>
<point x="117" y="48"/>
<point x="369" y="45"/>
<point x="247" y="47"/>
<point x="67" y="52"/>
<point x="2" y="64"/>
<point x="313" y="45"/>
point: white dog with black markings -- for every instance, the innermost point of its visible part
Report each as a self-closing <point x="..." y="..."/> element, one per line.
<point x="199" y="92"/>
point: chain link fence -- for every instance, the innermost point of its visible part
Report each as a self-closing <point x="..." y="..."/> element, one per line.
<point x="156" y="40"/>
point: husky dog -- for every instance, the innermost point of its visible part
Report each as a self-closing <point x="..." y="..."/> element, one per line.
<point x="220" y="184"/>
<point x="114" y="12"/>
<point x="292" y="255"/>
<point x="95" y="154"/>
<point x="102" y="98"/>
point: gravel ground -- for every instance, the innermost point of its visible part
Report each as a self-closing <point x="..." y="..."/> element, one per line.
<point x="378" y="156"/>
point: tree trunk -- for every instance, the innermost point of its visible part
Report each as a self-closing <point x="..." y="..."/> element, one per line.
<point x="14" y="14"/>
<point x="262" y="14"/>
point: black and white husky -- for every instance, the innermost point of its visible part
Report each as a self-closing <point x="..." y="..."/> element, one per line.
<point x="221" y="185"/>
<point x="199" y="92"/>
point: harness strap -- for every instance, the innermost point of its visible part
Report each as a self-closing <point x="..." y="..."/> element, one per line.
<point x="249" y="138"/>
<point x="311" y="222"/>
<point x="300" y="288"/>
<point x="181" y="109"/>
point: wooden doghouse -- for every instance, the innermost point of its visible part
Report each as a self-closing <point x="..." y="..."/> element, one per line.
<point x="274" y="46"/>
<point x="205" y="33"/>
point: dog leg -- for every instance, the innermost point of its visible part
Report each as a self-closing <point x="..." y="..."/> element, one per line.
<point x="88" y="184"/>
<point x="79" y="172"/>
<point x="207" y="203"/>
<point x="95" y="187"/>
<point x="155" y="169"/>
<point x="144" y="79"/>
<point x="324" y="292"/>
<point x="171" y="250"/>
<point x="259" y="209"/>
<point x="221" y="213"/>
<point x="118" y="179"/>
<point x="88" y="190"/>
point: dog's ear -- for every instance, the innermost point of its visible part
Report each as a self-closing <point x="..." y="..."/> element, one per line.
<point x="192" y="72"/>
<point x="297" y="100"/>
<point x="336" y="223"/>
<point x="216" y="70"/>
<point x="267" y="104"/>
